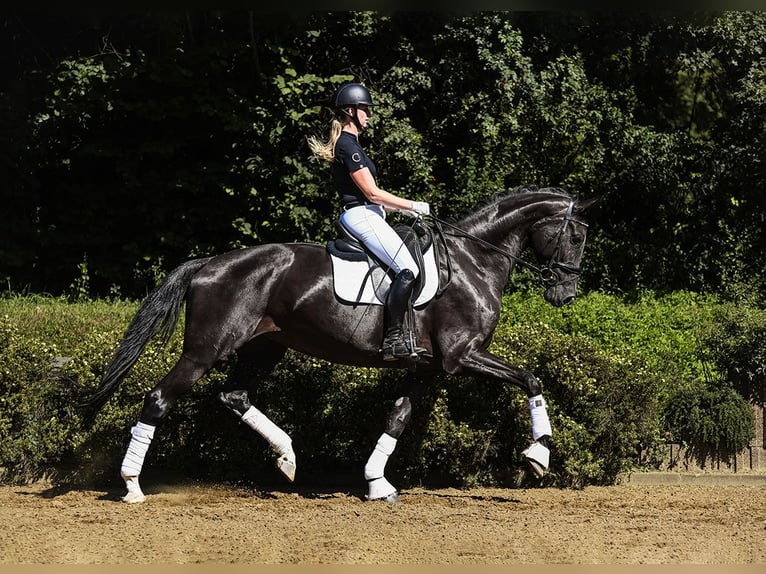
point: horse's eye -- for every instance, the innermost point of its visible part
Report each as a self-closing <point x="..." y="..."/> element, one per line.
<point x="576" y="239"/>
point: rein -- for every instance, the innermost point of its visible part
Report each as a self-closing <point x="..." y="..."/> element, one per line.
<point x="546" y="272"/>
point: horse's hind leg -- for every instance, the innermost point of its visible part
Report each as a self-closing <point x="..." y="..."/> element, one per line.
<point x="378" y="487"/>
<point x="157" y="404"/>
<point x="255" y="361"/>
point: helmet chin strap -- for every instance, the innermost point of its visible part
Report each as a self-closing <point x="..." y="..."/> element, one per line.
<point x="354" y="117"/>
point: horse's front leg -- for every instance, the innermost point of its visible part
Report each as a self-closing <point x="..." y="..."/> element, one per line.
<point x="378" y="488"/>
<point x="485" y="364"/>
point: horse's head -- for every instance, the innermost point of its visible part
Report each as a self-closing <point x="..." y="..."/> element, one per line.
<point x="558" y="242"/>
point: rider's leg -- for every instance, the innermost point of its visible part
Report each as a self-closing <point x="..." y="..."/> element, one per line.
<point x="368" y="224"/>
<point x="395" y="344"/>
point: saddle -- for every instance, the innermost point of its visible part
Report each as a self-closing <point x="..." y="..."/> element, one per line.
<point x="359" y="277"/>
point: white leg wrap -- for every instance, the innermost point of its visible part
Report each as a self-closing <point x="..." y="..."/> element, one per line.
<point x="376" y="464"/>
<point x="278" y="439"/>
<point x="541" y="424"/>
<point x="139" y="444"/>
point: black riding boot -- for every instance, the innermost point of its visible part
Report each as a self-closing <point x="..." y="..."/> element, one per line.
<point x="395" y="344"/>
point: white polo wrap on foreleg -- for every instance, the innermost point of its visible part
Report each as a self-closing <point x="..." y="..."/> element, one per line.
<point x="142" y="435"/>
<point x="278" y="439"/>
<point x="541" y="424"/>
<point x="376" y="464"/>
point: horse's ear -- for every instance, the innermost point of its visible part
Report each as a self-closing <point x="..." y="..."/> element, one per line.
<point x="585" y="204"/>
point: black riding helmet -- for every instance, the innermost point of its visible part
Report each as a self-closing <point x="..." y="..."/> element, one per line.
<point x="352" y="95"/>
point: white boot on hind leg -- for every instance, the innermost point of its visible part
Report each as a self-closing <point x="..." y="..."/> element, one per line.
<point x="278" y="439"/>
<point x="378" y="488"/>
<point x="134" y="490"/>
<point x="141" y="437"/>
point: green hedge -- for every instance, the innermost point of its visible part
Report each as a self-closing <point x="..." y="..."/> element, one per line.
<point x="617" y="374"/>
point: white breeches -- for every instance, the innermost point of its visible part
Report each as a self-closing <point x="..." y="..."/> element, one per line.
<point x="368" y="224"/>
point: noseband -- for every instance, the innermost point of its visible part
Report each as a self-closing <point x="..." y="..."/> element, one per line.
<point x="546" y="272"/>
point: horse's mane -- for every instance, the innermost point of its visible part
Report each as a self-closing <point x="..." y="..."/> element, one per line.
<point x="518" y="191"/>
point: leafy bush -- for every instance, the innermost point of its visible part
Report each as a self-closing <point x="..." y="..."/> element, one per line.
<point x="711" y="421"/>
<point x="664" y="328"/>
<point x="33" y="407"/>
<point x="614" y="384"/>
<point x="736" y="345"/>
<point x="713" y="418"/>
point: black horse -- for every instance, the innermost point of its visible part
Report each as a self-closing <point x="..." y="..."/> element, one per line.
<point x="259" y="301"/>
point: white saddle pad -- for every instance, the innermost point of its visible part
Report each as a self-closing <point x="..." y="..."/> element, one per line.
<point x="348" y="277"/>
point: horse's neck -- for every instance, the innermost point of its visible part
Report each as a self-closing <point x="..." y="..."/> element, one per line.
<point x="507" y="223"/>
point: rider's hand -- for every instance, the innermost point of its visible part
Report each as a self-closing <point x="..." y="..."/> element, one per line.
<point x="421" y="208"/>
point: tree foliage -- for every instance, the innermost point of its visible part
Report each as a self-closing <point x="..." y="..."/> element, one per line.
<point x="136" y="140"/>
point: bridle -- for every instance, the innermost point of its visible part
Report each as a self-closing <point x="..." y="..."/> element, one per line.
<point x="548" y="276"/>
<point x="546" y="273"/>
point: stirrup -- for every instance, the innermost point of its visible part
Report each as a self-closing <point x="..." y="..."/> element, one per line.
<point x="394" y="349"/>
<point x="402" y="351"/>
<point x="400" y="345"/>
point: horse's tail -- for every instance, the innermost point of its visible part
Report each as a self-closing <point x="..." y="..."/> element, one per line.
<point x="158" y="313"/>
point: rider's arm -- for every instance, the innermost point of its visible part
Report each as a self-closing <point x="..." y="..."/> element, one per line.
<point x="366" y="183"/>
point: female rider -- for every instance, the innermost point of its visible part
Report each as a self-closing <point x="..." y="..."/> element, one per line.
<point x="363" y="208"/>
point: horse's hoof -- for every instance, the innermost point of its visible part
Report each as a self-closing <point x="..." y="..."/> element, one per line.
<point x="134" y="490"/>
<point x="538" y="457"/>
<point x="381" y="489"/>
<point x="393" y="498"/>
<point x="133" y="497"/>
<point x="536" y="468"/>
<point x="286" y="465"/>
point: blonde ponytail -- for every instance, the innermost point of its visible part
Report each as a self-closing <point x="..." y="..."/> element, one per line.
<point x="325" y="150"/>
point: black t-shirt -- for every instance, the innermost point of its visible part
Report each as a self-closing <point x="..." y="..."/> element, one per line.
<point x="349" y="156"/>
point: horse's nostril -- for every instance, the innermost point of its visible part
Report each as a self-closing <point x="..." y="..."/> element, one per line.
<point x="568" y="300"/>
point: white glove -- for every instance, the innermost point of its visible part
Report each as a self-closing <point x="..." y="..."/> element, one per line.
<point x="421" y="208"/>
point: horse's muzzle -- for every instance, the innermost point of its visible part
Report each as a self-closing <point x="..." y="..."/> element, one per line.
<point x="568" y="300"/>
<point x="562" y="294"/>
